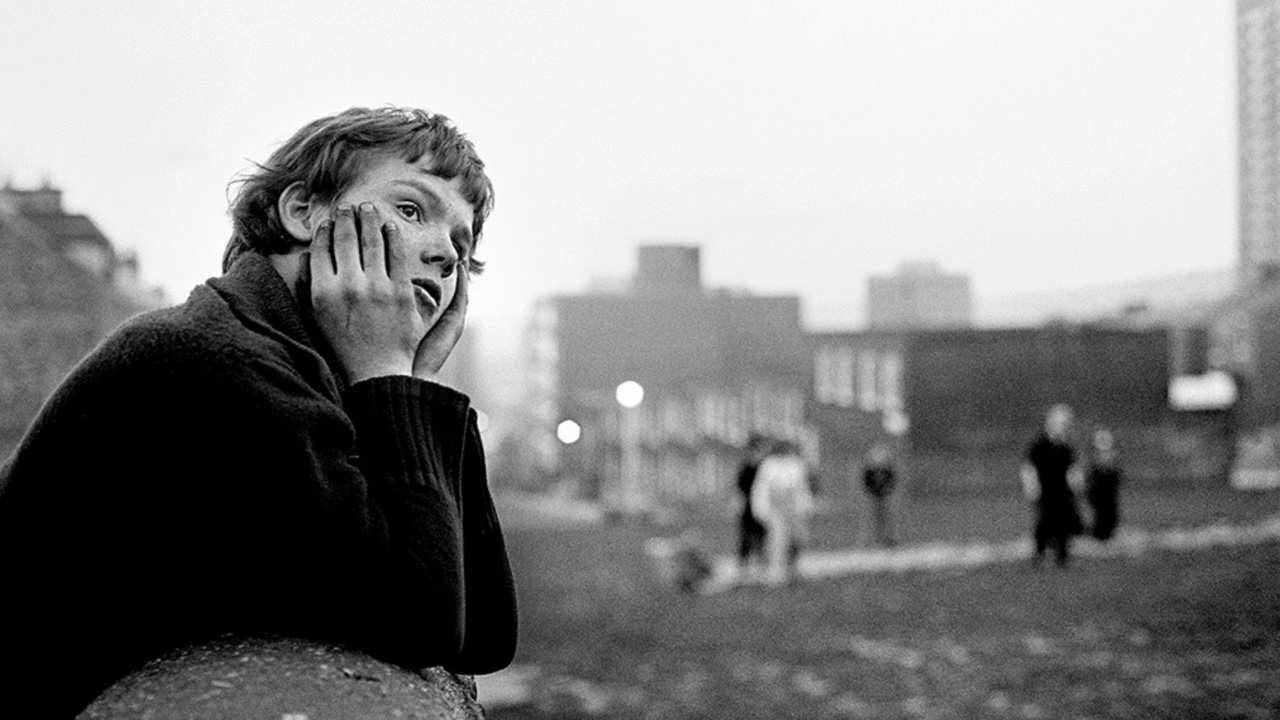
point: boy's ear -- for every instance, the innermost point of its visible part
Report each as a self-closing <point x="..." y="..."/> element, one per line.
<point x="294" y="208"/>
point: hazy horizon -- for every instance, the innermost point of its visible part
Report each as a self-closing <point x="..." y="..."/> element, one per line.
<point x="1033" y="147"/>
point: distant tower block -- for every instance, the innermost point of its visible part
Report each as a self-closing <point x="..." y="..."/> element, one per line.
<point x="1258" y="112"/>
<point x="920" y="295"/>
<point x="669" y="269"/>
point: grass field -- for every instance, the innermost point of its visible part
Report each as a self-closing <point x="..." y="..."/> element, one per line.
<point x="1186" y="634"/>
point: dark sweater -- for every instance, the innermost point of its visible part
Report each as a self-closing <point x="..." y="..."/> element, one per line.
<point x="204" y="471"/>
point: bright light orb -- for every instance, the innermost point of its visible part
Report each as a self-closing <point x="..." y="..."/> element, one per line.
<point x="568" y="432"/>
<point x="629" y="394"/>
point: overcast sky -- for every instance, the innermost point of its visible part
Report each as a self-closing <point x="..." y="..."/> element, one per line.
<point x="804" y="145"/>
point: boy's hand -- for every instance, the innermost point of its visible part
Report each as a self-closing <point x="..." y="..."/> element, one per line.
<point x="441" y="339"/>
<point x="361" y="297"/>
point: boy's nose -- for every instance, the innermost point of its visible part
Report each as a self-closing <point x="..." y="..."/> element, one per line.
<point x="438" y="249"/>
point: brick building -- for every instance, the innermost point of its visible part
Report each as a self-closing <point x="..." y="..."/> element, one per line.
<point x="1243" y="340"/>
<point x="969" y="401"/>
<point x="715" y="366"/>
<point x="63" y="287"/>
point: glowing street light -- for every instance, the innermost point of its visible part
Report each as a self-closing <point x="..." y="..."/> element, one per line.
<point x="568" y="432"/>
<point x="629" y="394"/>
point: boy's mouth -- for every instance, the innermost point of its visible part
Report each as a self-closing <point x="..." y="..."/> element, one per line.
<point x="427" y="291"/>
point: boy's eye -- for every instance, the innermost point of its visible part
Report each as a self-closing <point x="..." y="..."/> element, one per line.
<point x="410" y="211"/>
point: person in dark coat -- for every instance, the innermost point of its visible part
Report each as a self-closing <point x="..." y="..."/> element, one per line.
<point x="273" y="457"/>
<point x="1102" y="486"/>
<point x="751" y="532"/>
<point x="878" y="480"/>
<point x="1048" y="475"/>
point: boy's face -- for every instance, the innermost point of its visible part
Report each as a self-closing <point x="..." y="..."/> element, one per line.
<point x="434" y="221"/>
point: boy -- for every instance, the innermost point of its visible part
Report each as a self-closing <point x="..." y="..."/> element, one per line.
<point x="271" y="456"/>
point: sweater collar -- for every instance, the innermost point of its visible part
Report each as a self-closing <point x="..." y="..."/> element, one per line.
<point x="256" y="292"/>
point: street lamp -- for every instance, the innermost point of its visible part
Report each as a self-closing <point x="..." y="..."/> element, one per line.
<point x="629" y="395"/>
<point x="568" y="432"/>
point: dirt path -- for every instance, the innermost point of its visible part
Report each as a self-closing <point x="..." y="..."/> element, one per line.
<point x="1128" y="542"/>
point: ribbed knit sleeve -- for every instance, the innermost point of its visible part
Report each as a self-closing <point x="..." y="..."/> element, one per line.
<point x="419" y="444"/>
<point x="408" y="430"/>
<point x="490" y="628"/>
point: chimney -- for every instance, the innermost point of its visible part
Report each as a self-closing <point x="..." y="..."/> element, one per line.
<point x="668" y="269"/>
<point x="45" y="200"/>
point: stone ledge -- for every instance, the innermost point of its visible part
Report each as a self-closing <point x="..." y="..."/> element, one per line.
<point x="283" y="679"/>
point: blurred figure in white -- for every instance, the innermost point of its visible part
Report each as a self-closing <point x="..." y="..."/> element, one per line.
<point x="782" y="501"/>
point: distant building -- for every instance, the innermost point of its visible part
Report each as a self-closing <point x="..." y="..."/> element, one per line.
<point x="715" y="366"/>
<point x="1157" y="299"/>
<point x="1243" y="340"/>
<point x="961" y="405"/>
<point x="1224" y="356"/>
<point x="668" y="269"/>
<point x="920" y="295"/>
<point x="63" y="287"/>
<point x="1258" y="98"/>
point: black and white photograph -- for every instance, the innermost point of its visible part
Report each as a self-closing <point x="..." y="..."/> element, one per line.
<point x="596" y="359"/>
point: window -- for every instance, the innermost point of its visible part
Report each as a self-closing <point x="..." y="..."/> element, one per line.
<point x="707" y="469"/>
<point x="735" y="432"/>
<point x="844" y="375"/>
<point x="891" y="381"/>
<point x="833" y="376"/>
<point x="823" y="376"/>
<point x="868" y="399"/>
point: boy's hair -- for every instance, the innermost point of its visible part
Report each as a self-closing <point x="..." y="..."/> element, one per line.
<point x="328" y="155"/>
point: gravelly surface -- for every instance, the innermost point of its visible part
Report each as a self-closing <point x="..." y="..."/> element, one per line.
<point x="281" y="679"/>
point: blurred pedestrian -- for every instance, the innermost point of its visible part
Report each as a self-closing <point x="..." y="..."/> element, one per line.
<point x="783" y="503"/>
<point x="1048" y="476"/>
<point x="878" y="480"/>
<point x="750" y="531"/>
<point x="693" y="566"/>
<point x="1102" y="486"/>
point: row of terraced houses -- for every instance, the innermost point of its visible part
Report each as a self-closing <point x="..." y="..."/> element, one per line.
<point x="959" y="404"/>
